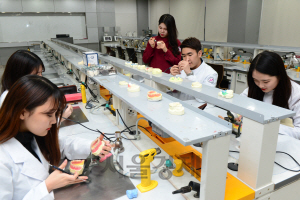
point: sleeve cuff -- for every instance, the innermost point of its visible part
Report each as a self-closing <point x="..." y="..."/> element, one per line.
<point x="191" y="78"/>
<point x="168" y="54"/>
<point x="44" y="190"/>
<point x="75" y="148"/>
<point x="39" y="192"/>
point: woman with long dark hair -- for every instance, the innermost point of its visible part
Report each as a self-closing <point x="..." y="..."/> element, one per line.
<point x="269" y="82"/>
<point x="19" y="64"/>
<point x="163" y="51"/>
<point x="29" y="141"/>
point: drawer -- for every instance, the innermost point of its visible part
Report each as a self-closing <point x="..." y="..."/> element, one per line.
<point x="241" y="77"/>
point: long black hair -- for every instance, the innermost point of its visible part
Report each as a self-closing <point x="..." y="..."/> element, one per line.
<point x="27" y="93"/>
<point x="270" y="63"/>
<point x="169" y="21"/>
<point x="19" y="64"/>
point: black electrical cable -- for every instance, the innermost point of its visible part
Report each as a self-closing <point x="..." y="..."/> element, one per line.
<point x="124" y="123"/>
<point x="127" y="138"/>
<point x="220" y="57"/>
<point x="111" y="111"/>
<point x="75" y="75"/>
<point x="290" y="157"/>
<point x="89" y="128"/>
<point x="133" y="126"/>
<point x="104" y="134"/>
<point x="126" y="129"/>
<point x="86" y="85"/>
<point x="167" y="69"/>
<point x="138" y="126"/>
<point x="278" y="163"/>
<point x="91" y="100"/>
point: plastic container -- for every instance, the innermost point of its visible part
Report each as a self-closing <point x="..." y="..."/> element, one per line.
<point x="132" y="193"/>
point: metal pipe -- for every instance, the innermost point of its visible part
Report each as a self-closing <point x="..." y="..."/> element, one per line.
<point x="136" y="127"/>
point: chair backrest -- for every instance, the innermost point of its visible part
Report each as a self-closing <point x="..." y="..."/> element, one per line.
<point x="220" y="70"/>
<point x="120" y="52"/>
<point x="131" y="54"/>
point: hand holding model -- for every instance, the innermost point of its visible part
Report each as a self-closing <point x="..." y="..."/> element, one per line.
<point x="58" y="179"/>
<point x="152" y="42"/>
<point x="175" y="70"/>
<point x="67" y="112"/>
<point x="162" y="45"/>
<point x="101" y="148"/>
<point x="184" y="65"/>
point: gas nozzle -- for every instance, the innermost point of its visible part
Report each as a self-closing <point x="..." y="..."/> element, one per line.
<point x="158" y="151"/>
<point x="195" y="187"/>
<point x="185" y="189"/>
<point x="192" y="186"/>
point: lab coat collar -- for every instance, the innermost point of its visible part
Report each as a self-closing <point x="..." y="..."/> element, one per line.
<point x="32" y="167"/>
<point x="199" y="68"/>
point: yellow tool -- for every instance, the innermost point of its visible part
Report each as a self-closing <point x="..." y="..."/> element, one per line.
<point x="128" y="74"/>
<point x="146" y="157"/>
<point x="235" y="189"/>
<point x="178" y="169"/>
<point x="112" y="107"/>
<point x="245" y="62"/>
<point x="83" y="94"/>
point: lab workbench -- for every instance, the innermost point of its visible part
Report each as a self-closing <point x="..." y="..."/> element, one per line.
<point x="106" y="183"/>
<point x="219" y="130"/>
<point x="259" y="111"/>
<point x="256" y="114"/>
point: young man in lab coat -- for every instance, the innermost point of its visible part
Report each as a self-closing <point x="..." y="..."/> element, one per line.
<point x="192" y="67"/>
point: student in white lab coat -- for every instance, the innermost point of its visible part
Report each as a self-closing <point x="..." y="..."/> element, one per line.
<point x="29" y="141"/>
<point x="21" y="63"/>
<point x="269" y="82"/>
<point x="192" y="67"/>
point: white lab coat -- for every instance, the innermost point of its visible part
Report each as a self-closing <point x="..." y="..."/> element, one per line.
<point x="2" y="97"/>
<point x="294" y="105"/>
<point x="204" y="74"/>
<point x="23" y="176"/>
